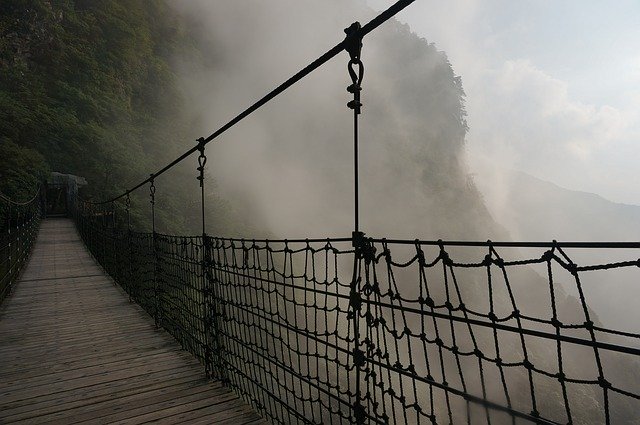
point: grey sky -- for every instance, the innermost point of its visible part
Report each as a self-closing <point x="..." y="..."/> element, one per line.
<point x="552" y="87"/>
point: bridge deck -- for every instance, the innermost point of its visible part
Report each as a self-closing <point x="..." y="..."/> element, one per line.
<point x="74" y="350"/>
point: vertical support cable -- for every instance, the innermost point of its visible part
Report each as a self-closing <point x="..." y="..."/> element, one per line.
<point x="128" y="284"/>
<point x="209" y="317"/>
<point x="113" y="243"/>
<point x="43" y="200"/>
<point x="93" y="221"/>
<point x="18" y="243"/>
<point x="88" y="210"/>
<point x="202" y="160"/>
<point x="10" y="263"/>
<point x="156" y="298"/>
<point x="353" y="45"/>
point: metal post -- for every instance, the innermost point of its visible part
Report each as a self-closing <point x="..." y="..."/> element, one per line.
<point x="18" y="242"/>
<point x="209" y="313"/>
<point x="10" y="263"/>
<point x="113" y="245"/>
<point x="129" y="250"/>
<point x="156" y="289"/>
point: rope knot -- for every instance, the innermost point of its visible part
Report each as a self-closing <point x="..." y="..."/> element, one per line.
<point x="603" y="382"/>
<point x="444" y="256"/>
<point x="364" y="248"/>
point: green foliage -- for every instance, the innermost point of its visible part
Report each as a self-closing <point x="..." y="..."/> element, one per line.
<point x="21" y="170"/>
<point x="88" y="85"/>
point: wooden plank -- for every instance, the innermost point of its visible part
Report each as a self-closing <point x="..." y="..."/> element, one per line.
<point x="157" y="358"/>
<point x="74" y="349"/>
<point x="217" y="405"/>
<point x="61" y="405"/>
<point x="82" y="361"/>
<point x="133" y="404"/>
<point x="109" y="388"/>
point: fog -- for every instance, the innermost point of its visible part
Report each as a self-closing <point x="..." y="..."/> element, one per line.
<point x="287" y="170"/>
<point x="533" y="209"/>
<point x="289" y="166"/>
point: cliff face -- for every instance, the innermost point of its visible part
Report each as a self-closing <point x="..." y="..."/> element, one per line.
<point x="88" y="86"/>
<point x="290" y="165"/>
<point x="109" y="91"/>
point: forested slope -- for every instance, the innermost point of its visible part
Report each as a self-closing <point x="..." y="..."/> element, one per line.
<point x="87" y="87"/>
<point x="100" y="89"/>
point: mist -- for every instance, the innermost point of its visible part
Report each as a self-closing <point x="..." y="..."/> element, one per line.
<point x="534" y="209"/>
<point x="289" y="167"/>
<point x="287" y="170"/>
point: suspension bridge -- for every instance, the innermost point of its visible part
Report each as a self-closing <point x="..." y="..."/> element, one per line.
<point x="102" y="323"/>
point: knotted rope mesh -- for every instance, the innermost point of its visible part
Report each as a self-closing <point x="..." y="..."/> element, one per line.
<point x="317" y="331"/>
<point x="455" y="336"/>
<point x="19" y="222"/>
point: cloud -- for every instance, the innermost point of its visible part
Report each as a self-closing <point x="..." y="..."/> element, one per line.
<point x="548" y="96"/>
<point x="523" y="118"/>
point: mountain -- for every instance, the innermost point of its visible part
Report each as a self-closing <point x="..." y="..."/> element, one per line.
<point x="536" y="210"/>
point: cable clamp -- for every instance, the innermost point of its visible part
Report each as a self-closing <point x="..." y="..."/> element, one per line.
<point x="202" y="160"/>
<point x="353" y="46"/>
<point x="152" y="189"/>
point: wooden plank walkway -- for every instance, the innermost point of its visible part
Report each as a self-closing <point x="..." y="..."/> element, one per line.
<point x="74" y="350"/>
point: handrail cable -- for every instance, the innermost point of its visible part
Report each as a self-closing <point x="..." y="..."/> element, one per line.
<point x="512" y="244"/>
<point x="11" y="201"/>
<point x="330" y="54"/>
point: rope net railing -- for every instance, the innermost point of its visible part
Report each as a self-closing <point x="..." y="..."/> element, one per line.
<point x="362" y="330"/>
<point x="320" y="331"/>
<point x="19" y="222"/>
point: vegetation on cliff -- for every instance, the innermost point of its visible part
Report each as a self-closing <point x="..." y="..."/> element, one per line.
<point x="87" y="87"/>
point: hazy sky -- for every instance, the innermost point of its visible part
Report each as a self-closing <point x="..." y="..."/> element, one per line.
<point x="553" y="88"/>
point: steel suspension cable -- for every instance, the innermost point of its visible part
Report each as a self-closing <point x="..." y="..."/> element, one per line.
<point x="330" y="54"/>
<point x="11" y="201"/>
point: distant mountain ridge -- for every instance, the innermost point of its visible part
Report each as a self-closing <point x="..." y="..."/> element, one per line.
<point x="534" y="209"/>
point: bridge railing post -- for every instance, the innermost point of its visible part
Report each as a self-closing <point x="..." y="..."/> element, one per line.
<point x="113" y="246"/>
<point x="9" y="245"/>
<point x="353" y="46"/>
<point x="156" y="289"/>
<point x="129" y="273"/>
<point x="362" y="251"/>
<point x="210" y="316"/>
